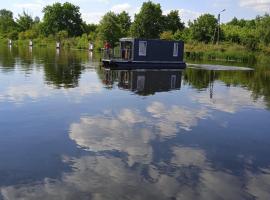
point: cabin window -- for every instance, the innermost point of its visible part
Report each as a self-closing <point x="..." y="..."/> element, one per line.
<point x="142" y="48"/>
<point x="175" y="49"/>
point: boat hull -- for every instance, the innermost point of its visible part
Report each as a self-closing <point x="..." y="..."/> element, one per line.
<point x="115" y="64"/>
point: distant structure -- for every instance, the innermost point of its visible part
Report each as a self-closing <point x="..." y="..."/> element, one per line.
<point x="217" y="30"/>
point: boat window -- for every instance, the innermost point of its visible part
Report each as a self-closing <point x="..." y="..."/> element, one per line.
<point x="175" y="49"/>
<point x="173" y="81"/>
<point x="140" y="83"/>
<point x="142" y="48"/>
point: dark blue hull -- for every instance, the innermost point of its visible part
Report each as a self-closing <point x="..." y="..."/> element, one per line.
<point x="116" y="64"/>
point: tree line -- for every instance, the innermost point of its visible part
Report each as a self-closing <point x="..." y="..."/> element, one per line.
<point x="63" y="21"/>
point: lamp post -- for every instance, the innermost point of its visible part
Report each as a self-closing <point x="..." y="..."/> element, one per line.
<point x="219" y="14"/>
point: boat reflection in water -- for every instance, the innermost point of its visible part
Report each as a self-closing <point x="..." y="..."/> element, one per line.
<point x="144" y="82"/>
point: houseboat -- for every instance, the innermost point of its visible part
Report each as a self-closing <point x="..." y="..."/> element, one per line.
<point x="137" y="53"/>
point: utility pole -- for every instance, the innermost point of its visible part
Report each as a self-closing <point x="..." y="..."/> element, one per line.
<point x="219" y="16"/>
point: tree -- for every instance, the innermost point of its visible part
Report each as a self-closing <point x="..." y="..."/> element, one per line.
<point x="264" y="29"/>
<point x="203" y="28"/>
<point x="173" y="22"/>
<point x="124" y="22"/>
<point x="148" y="22"/>
<point x="89" y="28"/>
<point x="109" y="28"/>
<point x="25" y="22"/>
<point x="66" y="17"/>
<point x="7" y="23"/>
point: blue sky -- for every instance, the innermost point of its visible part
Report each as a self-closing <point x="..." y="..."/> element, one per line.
<point x="92" y="10"/>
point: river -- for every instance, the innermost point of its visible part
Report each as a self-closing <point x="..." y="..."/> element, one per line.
<point x="71" y="130"/>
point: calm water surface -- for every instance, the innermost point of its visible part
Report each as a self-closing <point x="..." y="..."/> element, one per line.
<point x="72" y="130"/>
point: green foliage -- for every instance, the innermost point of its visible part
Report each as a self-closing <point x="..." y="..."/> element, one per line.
<point x="167" y="35"/>
<point x="82" y="42"/>
<point x="148" y="22"/>
<point x="232" y="33"/>
<point x="63" y="22"/>
<point x="61" y="35"/>
<point x="263" y="27"/>
<point x="203" y="28"/>
<point x="89" y="28"/>
<point x="124" y="21"/>
<point x="7" y="23"/>
<point x="13" y="35"/>
<point x="29" y="34"/>
<point x="109" y="29"/>
<point x="183" y="35"/>
<point x="250" y="41"/>
<point x="173" y="22"/>
<point x="66" y="17"/>
<point x="24" y="22"/>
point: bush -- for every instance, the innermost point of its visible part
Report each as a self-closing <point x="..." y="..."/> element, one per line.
<point x="82" y="42"/>
<point x="61" y="35"/>
<point x="251" y="42"/>
<point x="182" y="35"/>
<point x="167" y="35"/>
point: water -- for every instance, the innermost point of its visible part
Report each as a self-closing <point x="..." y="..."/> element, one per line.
<point x="72" y="130"/>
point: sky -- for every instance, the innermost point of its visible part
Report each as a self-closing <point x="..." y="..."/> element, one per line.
<point x="93" y="10"/>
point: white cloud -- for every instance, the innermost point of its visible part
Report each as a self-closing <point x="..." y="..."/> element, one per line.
<point x="230" y="100"/>
<point x="106" y="177"/>
<point x="187" y="156"/>
<point x="171" y="119"/>
<point x="258" y="5"/>
<point x="92" y="17"/>
<point x="31" y="6"/>
<point x="118" y="132"/>
<point x="259" y="184"/>
<point x="96" y="178"/>
<point x="35" y="7"/>
<point x="186" y="15"/>
<point x="121" y="7"/>
<point x="18" y="94"/>
<point x="131" y="132"/>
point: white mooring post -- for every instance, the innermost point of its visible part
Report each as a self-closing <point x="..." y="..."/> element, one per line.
<point x="90" y="56"/>
<point x="10" y="42"/>
<point x="57" y="45"/>
<point x="91" y="46"/>
<point x="30" y="43"/>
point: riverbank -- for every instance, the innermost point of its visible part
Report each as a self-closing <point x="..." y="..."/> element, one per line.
<point x="193" y="51"/>
<point x="75" y="42"/>
<point x="83" y="43"/>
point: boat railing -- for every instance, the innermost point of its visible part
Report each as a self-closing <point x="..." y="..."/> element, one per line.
<point x="117" y="53"/>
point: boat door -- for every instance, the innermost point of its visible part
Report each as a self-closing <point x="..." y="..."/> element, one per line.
<point x="126" y="49"/>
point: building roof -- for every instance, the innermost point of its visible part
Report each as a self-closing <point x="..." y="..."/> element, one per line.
<point x="132" y="40"/>
<point x="127" y="39"/>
